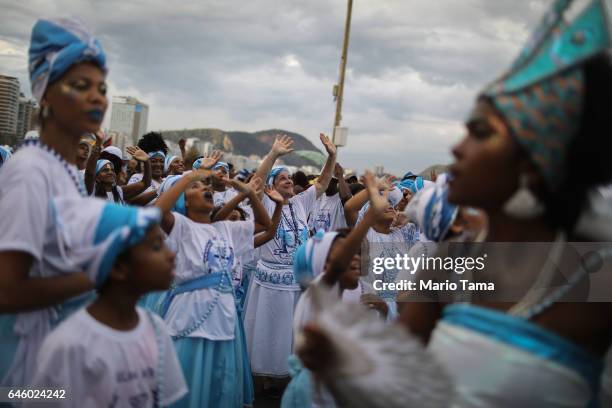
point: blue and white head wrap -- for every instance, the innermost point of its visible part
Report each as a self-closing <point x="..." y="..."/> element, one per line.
<point x="197" y="164"/>
<point x="243" y="175"/>
<point x="414" y="185"/>
<point x="100" y="165"/>
<point x="168" y="182"/>
<point x="158" y="153"/>
<point x="275" y="172"/>
<point x="431" y="210"/>
<point x="542" y="94"/>
<point x="93" y="232"/>
<point x="221" y="165"/>
<point x="57" y="45"/>
<point x="310" y="257"/>
<point x="5" y="153"/>
<point x="168" y="162"/>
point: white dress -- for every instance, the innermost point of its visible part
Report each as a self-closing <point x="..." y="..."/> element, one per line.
<point x="274" y="292"/>
<point x="28" y="182"/>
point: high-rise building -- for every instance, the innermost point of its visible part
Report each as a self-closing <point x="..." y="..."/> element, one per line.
<point x="129" y="116"/>
<point x="26" y="116"/>
<point x="9" y="108"/>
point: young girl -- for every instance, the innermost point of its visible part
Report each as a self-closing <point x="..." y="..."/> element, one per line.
<point x="67" y="71"/>
<point x="112" y="353"/>
<point x="200" y="309"/>
<point x="274" y="291"/>
<point x="383" y="239"/>
<point x="331" y="259"/>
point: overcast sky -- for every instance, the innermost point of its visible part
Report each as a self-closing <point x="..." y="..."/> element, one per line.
<point x="414" y="66"/>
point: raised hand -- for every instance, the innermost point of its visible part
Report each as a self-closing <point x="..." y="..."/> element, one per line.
<point x="329" y="146"/>
<point x="182" y="143"/>
<point x="282" y="145"/>
<point x="338" y="171"/>
<point x="200" y="174"/>
<point x="137" y="153"/>
<point x="209" y="161"/>
<point x="385" y="183"/>
<point x="256" y="184"/>
<point x="378" y="203"/>
<point x="100" y="136"/>
<point x="274" y="195"/>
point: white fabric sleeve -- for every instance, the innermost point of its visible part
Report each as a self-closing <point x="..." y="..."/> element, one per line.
<point x="24" y="205"/>
<point x="178" y="231"/>
<point x="174" y="381"/>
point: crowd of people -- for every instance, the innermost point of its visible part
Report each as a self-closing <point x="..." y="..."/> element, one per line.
<point x="139" y="278"/>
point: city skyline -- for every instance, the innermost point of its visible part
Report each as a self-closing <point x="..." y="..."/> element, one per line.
<point x="414" y="68"/>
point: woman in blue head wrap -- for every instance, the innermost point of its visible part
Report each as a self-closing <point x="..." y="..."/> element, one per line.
<point x="535" y="144"/>
<point x="68" y="74"/>
<point x="274" y="292"/>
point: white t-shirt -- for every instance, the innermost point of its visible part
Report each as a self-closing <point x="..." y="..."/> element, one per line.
<point x="203" y="249"/>
<point x="327" y="214"/>
<point x="136" y="177"/>
<point x="102" y="367"/>
<point x="292" y="229"/>
<point x="28" y="182"/>
<point x="222" y="197"/>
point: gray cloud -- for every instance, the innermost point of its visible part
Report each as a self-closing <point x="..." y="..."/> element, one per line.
<point x="414" y="66"/>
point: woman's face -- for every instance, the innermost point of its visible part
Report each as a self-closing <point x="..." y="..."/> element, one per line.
<point x="107" y="174"/>
<point x="83" y="152"/>
<point x="157" y="167"/>
<point x="486" y="168"/>
<point x="283" y="184"/>
<point x="151" y="262"/>
<point x="177" y="167"/>
<point x="77" y="101"/>
<point x="220" y="177"/>
<point x="199" y="196"/>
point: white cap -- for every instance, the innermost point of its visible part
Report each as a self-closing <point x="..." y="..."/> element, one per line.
<point x="115" y="151"/>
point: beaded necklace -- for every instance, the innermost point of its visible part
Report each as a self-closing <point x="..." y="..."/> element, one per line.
<point x="68" y="167"/>
<point x="296" y="230"/>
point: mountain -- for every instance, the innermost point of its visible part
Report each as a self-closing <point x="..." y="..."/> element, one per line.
<point x="245" y="143"/>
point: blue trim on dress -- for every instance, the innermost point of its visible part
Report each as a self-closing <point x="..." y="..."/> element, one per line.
<point x="529" y="337"/>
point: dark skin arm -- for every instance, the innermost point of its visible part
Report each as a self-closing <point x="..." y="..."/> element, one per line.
<point x="134" y="189"/>
<point x="90" y="168"/>
<point x="143" y="198"/>
<point x="266" y="236"/>
<point x="21" y="293"/>
<point x="250" y="190"/>
<point x="343" y="187"/>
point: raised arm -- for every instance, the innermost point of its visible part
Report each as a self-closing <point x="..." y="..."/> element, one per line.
<point x="229" y="206"/>
<point x="90" y="168"/>
<point x="282" y="145"/>
<point x="132" y="190"/>
<point x="322" y="182"/>
<point x="269" y="233"/>
<point x="252" y="190"/>
<point x="343" y="188"/>
<point x="342" y="254"/>
<point x="352" y="206"/>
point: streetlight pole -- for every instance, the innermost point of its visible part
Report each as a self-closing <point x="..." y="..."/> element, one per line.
<point x="339" y="88"/>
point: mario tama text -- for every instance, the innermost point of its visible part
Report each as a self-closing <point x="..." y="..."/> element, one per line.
<point x="406" y="265"/>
